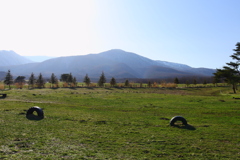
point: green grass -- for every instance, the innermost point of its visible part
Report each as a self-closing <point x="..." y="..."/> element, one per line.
<point x="129" y="123"/>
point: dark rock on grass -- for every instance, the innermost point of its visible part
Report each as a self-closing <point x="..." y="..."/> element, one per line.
<point x="164" y="118"/>
<point x="101" y="122"/>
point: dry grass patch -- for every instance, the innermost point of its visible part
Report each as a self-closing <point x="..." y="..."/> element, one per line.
<point x="168" y="85"/>
<point x="2" y="87"/>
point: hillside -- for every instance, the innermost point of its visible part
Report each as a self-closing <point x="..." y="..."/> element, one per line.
<point x="2" y="75"/>
<point x="8" y="58"/>
<point x="114" y="63"/>
<point x="38" y="58"/>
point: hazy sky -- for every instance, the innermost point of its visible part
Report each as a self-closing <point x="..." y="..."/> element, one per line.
<point x="199" y="33"/>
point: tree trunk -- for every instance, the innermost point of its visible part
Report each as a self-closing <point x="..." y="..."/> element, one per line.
<point x="234" y="88"/>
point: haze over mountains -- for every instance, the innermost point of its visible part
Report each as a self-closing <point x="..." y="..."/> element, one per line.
<point x="38" y="58"/>
<point x="114" y="63"/>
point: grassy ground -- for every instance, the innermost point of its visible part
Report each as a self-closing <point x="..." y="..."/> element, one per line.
<point x="112" y="123"/>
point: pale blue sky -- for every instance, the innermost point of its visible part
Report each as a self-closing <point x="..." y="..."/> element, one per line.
<point x="199" y="33"/>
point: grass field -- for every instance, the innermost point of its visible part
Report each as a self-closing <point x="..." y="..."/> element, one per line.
<point x="120" y="123"/>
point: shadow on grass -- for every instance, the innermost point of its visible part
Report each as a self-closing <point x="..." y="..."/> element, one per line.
<point x="90" y="88"/>
<point x="34" y="117"/>
<point x="73" y="88"/>
<point x="188" y="127"/>
<point x="108" y="88"/>
<point x="119" y="88"/>
<point x="54" y="88"/>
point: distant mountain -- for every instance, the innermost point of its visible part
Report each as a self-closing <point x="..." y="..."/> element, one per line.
<point x="172" y="65"/>
<point x="187" y="69"/>
<point x="38" y="58"/>
<point x="2" y="75"/>
<point x="114" y="63"/>
<point x="8" y="58"/>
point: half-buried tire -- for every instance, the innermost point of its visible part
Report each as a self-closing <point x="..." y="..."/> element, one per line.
<point x="31" y="116"/>
<point x="178" y="118"/>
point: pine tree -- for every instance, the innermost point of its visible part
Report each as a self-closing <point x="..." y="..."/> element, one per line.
<point x="70" y="78"/>
<point x="205" y="82"/>
<point x="231" y="72"/>
<point x="194" y="82"/>
<point x="64" y="77"/>
<point x="31" y="80"/>
<point x="176" y="81"/>
<point x="74" y="82"/>
<point x="8" y="79"/>
<point x="113" y="82"/>
<point x="126" y="84"/>
<point x="102" y="80"/>
<point x="149" y="84"/>
<point x="53" y="80"/>
<point x="187" y="83"/>
<point x="40" y="81"/>
<point x="87" y="80"/>
<point x="20" y="80"/>
<point x="215" y="81"/>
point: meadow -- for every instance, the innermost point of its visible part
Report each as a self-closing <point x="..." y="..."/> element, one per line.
<point x="120" y="123"/>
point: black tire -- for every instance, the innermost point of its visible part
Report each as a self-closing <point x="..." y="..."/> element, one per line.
<point x="3" y="95"/>
<point x="178" y="118"/>
<point x="30" y="115"/>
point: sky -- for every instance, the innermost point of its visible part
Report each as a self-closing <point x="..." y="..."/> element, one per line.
<point x="199" y="33"/>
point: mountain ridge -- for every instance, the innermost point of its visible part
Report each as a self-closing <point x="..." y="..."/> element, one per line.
<point x="114" y="63"/>
<point x="38" y="58"/>
<point x="9" y="57"/>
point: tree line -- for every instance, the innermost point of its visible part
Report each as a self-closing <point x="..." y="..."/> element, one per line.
<point x="39" y="82"/>
<point x="70" y="81"/>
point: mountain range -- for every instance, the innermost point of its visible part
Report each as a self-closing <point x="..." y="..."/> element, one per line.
<point x="114" y="63"/>
<point x="8" y="57"/>
<point x="38" y="58"/>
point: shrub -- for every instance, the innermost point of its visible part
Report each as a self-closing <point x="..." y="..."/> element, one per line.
<point x="19" y="85"/>
<point x="169" y="85"/>
<point x="65" y="84"/>
<point x="92" y="85"/>
<point x="120" y="85"/>
<point x="155" y="84"/>
<point x="2" y="86"/>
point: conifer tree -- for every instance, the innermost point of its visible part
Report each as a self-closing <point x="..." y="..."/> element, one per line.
<point x="126" y="84"/>
<point x="102" y="80"/>
<point x="70" y="78"/>
<point x="194" y="82"/>
<point x="53" y="80"/>
<point x="187" y="83"/>
<point x="31" y="80"/>
<point x="205" y="82"/>
<point x="20" y="80"/>
<point x="113" y="82"/>
<point x="87" y="80"/>
<point x="8" y="79"/>
<point x="176" y="81"/>
<point x="149" y="84"/>
<point x="231" y="72"/>
<point x="40" y="81"/>
<point x="74" y="82"/>
<point x="64" y="77"/>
